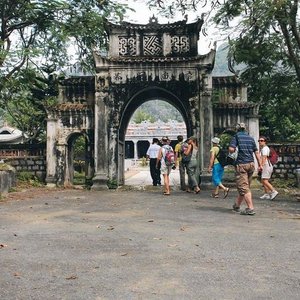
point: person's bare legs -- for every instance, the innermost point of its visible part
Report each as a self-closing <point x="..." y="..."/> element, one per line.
<point x="166" y="184"/>
<point x="267" y="185"/>
<point x="239" y="200"/>
<point x="216" y="192"/>
<point x="248" y="199"/>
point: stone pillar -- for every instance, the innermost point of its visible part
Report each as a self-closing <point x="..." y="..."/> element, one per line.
<point x="253" y="126"/>
<point x="51" y="158"/>
<point x="101" y="168"/>
<point x="62" y="165"/>
<point x="135" y="150"/>
<point x="206" y="134"/>
<point x="89" y="157"/>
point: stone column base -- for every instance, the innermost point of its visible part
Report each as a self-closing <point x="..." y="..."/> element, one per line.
<point x="99" y="182"/>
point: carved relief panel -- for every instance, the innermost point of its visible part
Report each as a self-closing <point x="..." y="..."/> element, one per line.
<point x="180" y="44"/>
<point x="127" y="45"/>
<point x="152" y="45"/>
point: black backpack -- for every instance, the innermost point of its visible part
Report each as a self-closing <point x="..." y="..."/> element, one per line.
<point x="222" y="157"/>
<point x="225" y="158"/>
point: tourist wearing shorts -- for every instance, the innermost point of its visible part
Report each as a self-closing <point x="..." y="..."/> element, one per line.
<point x="267" y="170"/>
<point x="164" y="169"/>
<point x="244" y="168"/>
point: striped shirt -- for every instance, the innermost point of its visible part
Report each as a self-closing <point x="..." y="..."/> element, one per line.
<point x="246" y="147"/>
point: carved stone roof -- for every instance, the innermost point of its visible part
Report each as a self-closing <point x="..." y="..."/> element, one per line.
<point x="155" y="26"/>
<point x="226" y="80"/>
<point x="178" y="39"/>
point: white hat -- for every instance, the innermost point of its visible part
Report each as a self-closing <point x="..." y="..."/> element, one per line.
<point x="215" y="140"/>
<point x="240" y="126"/>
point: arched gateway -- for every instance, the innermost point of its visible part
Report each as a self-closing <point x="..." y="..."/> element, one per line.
<point x="144" y="62"/>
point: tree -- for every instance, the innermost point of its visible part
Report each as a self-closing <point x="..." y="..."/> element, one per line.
<point x="140" y="115"/>
<point x="35" y="36"/>
<point x="24" y="98"/>
<point x="269" y="45"/>
<point x="265" y="36"/>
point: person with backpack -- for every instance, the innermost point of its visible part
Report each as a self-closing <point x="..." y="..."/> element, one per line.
<point x="178" y="158"/>
<point x="192" y="165"/>
<point x="267" y="169"/>
<point x="217" y="169"/>
<point x="166" y="159"/>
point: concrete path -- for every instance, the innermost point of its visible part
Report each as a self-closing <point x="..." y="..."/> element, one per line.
<point x="78" y="244"/>
<point x="141" y="177"/>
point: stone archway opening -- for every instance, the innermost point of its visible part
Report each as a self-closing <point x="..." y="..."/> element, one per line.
<point x="77" y="168"/>
<point x="154" y="118"/>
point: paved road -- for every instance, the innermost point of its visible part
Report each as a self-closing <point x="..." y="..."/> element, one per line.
<point x="77" y="244"/>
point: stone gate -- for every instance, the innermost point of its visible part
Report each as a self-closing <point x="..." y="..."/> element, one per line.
<point x="143" y="63"/>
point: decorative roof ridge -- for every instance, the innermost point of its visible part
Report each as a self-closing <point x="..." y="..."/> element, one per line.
<point x="135" y="59"/>
<point x="227" y="79"/>
<point x="155" y="25"/>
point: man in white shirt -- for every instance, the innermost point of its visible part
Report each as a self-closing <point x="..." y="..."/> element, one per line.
<point x="152" y="154"/>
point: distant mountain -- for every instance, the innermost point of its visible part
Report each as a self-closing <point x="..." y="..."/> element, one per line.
<point x="221" y="62"/>
<point x="155" y="110"/>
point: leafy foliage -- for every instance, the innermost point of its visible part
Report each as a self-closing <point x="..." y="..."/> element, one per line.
<point x="269" y="45"/>
<point x="34" y="38"/>
<point x="264" y="36"/>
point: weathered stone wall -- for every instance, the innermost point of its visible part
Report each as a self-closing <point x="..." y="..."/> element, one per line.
<point x="289" y="160"/>
<point x="36" y="165"/>
<point x="25" y="158"/>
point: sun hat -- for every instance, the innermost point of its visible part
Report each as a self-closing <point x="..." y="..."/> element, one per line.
<point x="215" y="140"/>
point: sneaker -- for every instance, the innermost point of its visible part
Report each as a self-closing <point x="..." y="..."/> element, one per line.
<point x="273" y="195"/>
<point x="248" y="212"/>
<point x="265" y="196"/>
<point x="236" y="208"/>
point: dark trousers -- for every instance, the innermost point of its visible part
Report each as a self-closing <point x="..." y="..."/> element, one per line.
<point x="182" y="170"/>
<point x="155" y="172"/>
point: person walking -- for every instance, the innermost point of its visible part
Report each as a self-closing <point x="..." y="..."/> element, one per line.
<point x="165" y="169"/>
<point x="244" y="168"/>
<point x="152" y="154"/>
<point x="217" y="169"/>
<point x="267" y="170"/>
<point x="179" y="163"/>
<point x="192" y="166"/>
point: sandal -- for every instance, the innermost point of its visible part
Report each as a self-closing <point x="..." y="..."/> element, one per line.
<point x="226" y="193"/>
<point x="197" y="191"/>
<point x="215" y="195"/>
<point x="167" y="194"/>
